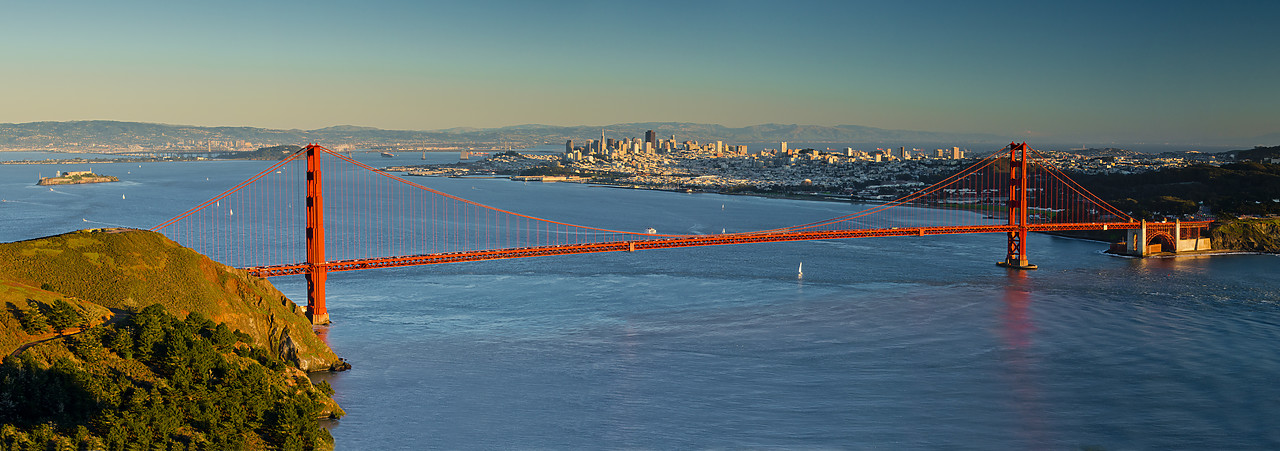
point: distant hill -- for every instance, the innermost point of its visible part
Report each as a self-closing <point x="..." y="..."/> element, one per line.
<point x="1246" y="188"/>
<point x="750" y="134"/>
<point x="1258" y="154"/>
<point x="116" y="134"/>
<point x="273" y="153"/>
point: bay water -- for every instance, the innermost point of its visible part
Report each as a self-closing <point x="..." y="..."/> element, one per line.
<point x="899" y="343"/>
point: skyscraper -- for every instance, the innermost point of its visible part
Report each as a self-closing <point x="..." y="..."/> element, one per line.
<point x="651" y="137"/>
<point x="568" y="146"/>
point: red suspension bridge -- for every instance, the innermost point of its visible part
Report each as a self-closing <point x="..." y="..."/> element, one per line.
<point x="289" y="220"/>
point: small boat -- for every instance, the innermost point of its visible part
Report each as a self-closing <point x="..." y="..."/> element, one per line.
<point x="122" y="197"/>
<point x="388" y="154"/>
<point x="650" y="231"/>
<point x="800" y="271"/>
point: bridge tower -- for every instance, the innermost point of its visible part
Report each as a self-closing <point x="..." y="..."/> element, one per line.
<point x="1017" y="256"/>
<point x="317" y="271"/>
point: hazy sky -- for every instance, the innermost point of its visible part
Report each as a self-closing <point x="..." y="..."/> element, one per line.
<point x="1126" y="71"/>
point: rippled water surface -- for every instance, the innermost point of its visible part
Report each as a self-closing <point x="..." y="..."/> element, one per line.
<point x="893" y="343"/>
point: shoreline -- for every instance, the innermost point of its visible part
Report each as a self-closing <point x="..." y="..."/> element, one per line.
<point x="1209" y="253"/>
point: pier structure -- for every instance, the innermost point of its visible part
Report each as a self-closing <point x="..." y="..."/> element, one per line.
<point x="1153" y="238"/>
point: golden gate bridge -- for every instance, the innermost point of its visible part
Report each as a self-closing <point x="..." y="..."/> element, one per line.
<point x="290" y="220"/>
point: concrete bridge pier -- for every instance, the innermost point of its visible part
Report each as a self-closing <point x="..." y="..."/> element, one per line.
<point x="1166" y="238"/>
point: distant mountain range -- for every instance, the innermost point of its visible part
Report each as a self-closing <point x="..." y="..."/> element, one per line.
<point x="121" y="135"/>
<point x="35" y="135"/>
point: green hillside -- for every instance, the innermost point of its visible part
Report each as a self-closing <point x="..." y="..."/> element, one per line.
<point x="125" y="269"/>
<point x="122" y="339"/>
<point x="1260" y="235"/>
<point x="155" y="381"/>
<point x="22" y="302"/>
<point x="1248" y="188"/>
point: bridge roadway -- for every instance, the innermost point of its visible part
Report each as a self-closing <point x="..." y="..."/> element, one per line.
<point x="682" y="241"/>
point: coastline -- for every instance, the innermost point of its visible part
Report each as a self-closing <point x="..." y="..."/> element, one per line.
<point x="51" y="181"/>
<point x="1196" y="254"/>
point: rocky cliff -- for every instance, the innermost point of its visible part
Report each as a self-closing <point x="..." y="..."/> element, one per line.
<point x="1259" y="235"/>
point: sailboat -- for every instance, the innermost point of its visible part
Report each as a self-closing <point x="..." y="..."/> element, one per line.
<point x="800" y="271"/>
<point x="122" y="197"/>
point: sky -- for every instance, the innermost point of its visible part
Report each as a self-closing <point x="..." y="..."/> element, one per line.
<point x="1086" y="71"/>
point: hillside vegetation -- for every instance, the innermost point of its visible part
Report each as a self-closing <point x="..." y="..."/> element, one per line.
<point x="27" y="312"/>
<point x="123" y="269"/>
<point x="1248" y="188"/>
<point x="122" y="339"/>
<point x="155" y="381"/>
<point x="1260" y="235"/>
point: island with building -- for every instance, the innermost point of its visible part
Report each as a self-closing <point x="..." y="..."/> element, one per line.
<point x="76" y="178"/>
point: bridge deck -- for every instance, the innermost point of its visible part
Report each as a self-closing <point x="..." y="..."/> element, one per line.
<point x="687" y="241"/>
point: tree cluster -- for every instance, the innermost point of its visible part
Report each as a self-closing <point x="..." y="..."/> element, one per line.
<point x="157" y="381"/>
<point x="38" y="318"/>
<point x="1247" y="188"/>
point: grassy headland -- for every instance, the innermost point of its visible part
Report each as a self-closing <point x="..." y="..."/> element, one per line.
<point x="125" y="339"/>
<point x="122" y="269"/>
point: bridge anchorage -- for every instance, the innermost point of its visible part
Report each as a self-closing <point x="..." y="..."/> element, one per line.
<point x="317" y="211"/>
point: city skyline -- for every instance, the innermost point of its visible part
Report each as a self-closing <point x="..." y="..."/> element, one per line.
<point x="1179" y="72"/>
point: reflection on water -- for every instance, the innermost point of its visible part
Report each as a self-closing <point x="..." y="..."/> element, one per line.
<point x="1183" y="264"/>
<point x="1017" y="331"/>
